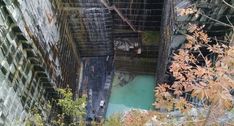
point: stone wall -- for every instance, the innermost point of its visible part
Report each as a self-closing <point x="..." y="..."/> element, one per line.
<point x="210" y="14"/>
<point x="36" y="57"/>
<point x="24" y="81"/>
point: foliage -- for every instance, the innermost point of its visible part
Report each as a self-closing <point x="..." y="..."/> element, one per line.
<point x="34" y="119"/>
<point x="114" y="120"/>
<point x="70" y="108"/>
<point x="203" y="68"/>
<point x="75" y="108"/>
<point x="186" y="11"/>
<point x="59" y="120"/>
<point x="138" y="118"/>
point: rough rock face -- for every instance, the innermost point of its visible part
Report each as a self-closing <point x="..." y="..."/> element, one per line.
<point x="34" y="58"/>
<point x="38" y="20"/>
<point x="210" y="13"/>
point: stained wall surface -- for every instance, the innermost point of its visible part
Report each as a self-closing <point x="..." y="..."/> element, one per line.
<point x="34" y="59"/>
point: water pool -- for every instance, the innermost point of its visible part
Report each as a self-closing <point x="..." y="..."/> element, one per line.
<point x="138" y="93"/>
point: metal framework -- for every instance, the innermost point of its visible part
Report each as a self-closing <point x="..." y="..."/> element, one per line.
<point x="90" y="25"/>
<point x="142" y="14"/>
<point x="131" y="20"/>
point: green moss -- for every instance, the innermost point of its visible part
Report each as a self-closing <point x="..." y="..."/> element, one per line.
<point x="150" y="37"/>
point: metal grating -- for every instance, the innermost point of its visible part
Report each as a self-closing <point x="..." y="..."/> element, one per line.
<point x="143" y="14"/>
<point x="90" y="24"/>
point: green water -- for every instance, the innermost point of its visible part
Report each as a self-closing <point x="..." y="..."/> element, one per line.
<point x="138" y="93"/>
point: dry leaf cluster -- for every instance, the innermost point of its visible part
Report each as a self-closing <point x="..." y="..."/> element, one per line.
<point x="203" y="68"/>
<point x="186" y="11"/>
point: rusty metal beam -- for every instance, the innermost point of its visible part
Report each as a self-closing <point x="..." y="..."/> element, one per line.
<point x="113" y="7"/>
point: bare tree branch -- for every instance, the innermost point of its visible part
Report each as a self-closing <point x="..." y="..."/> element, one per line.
<point x="220" y="22"/>
<point x="228" y="4"/>
<point x="229" y="21"/>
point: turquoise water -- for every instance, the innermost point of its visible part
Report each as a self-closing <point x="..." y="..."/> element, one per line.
<point x="138" y="93"/>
